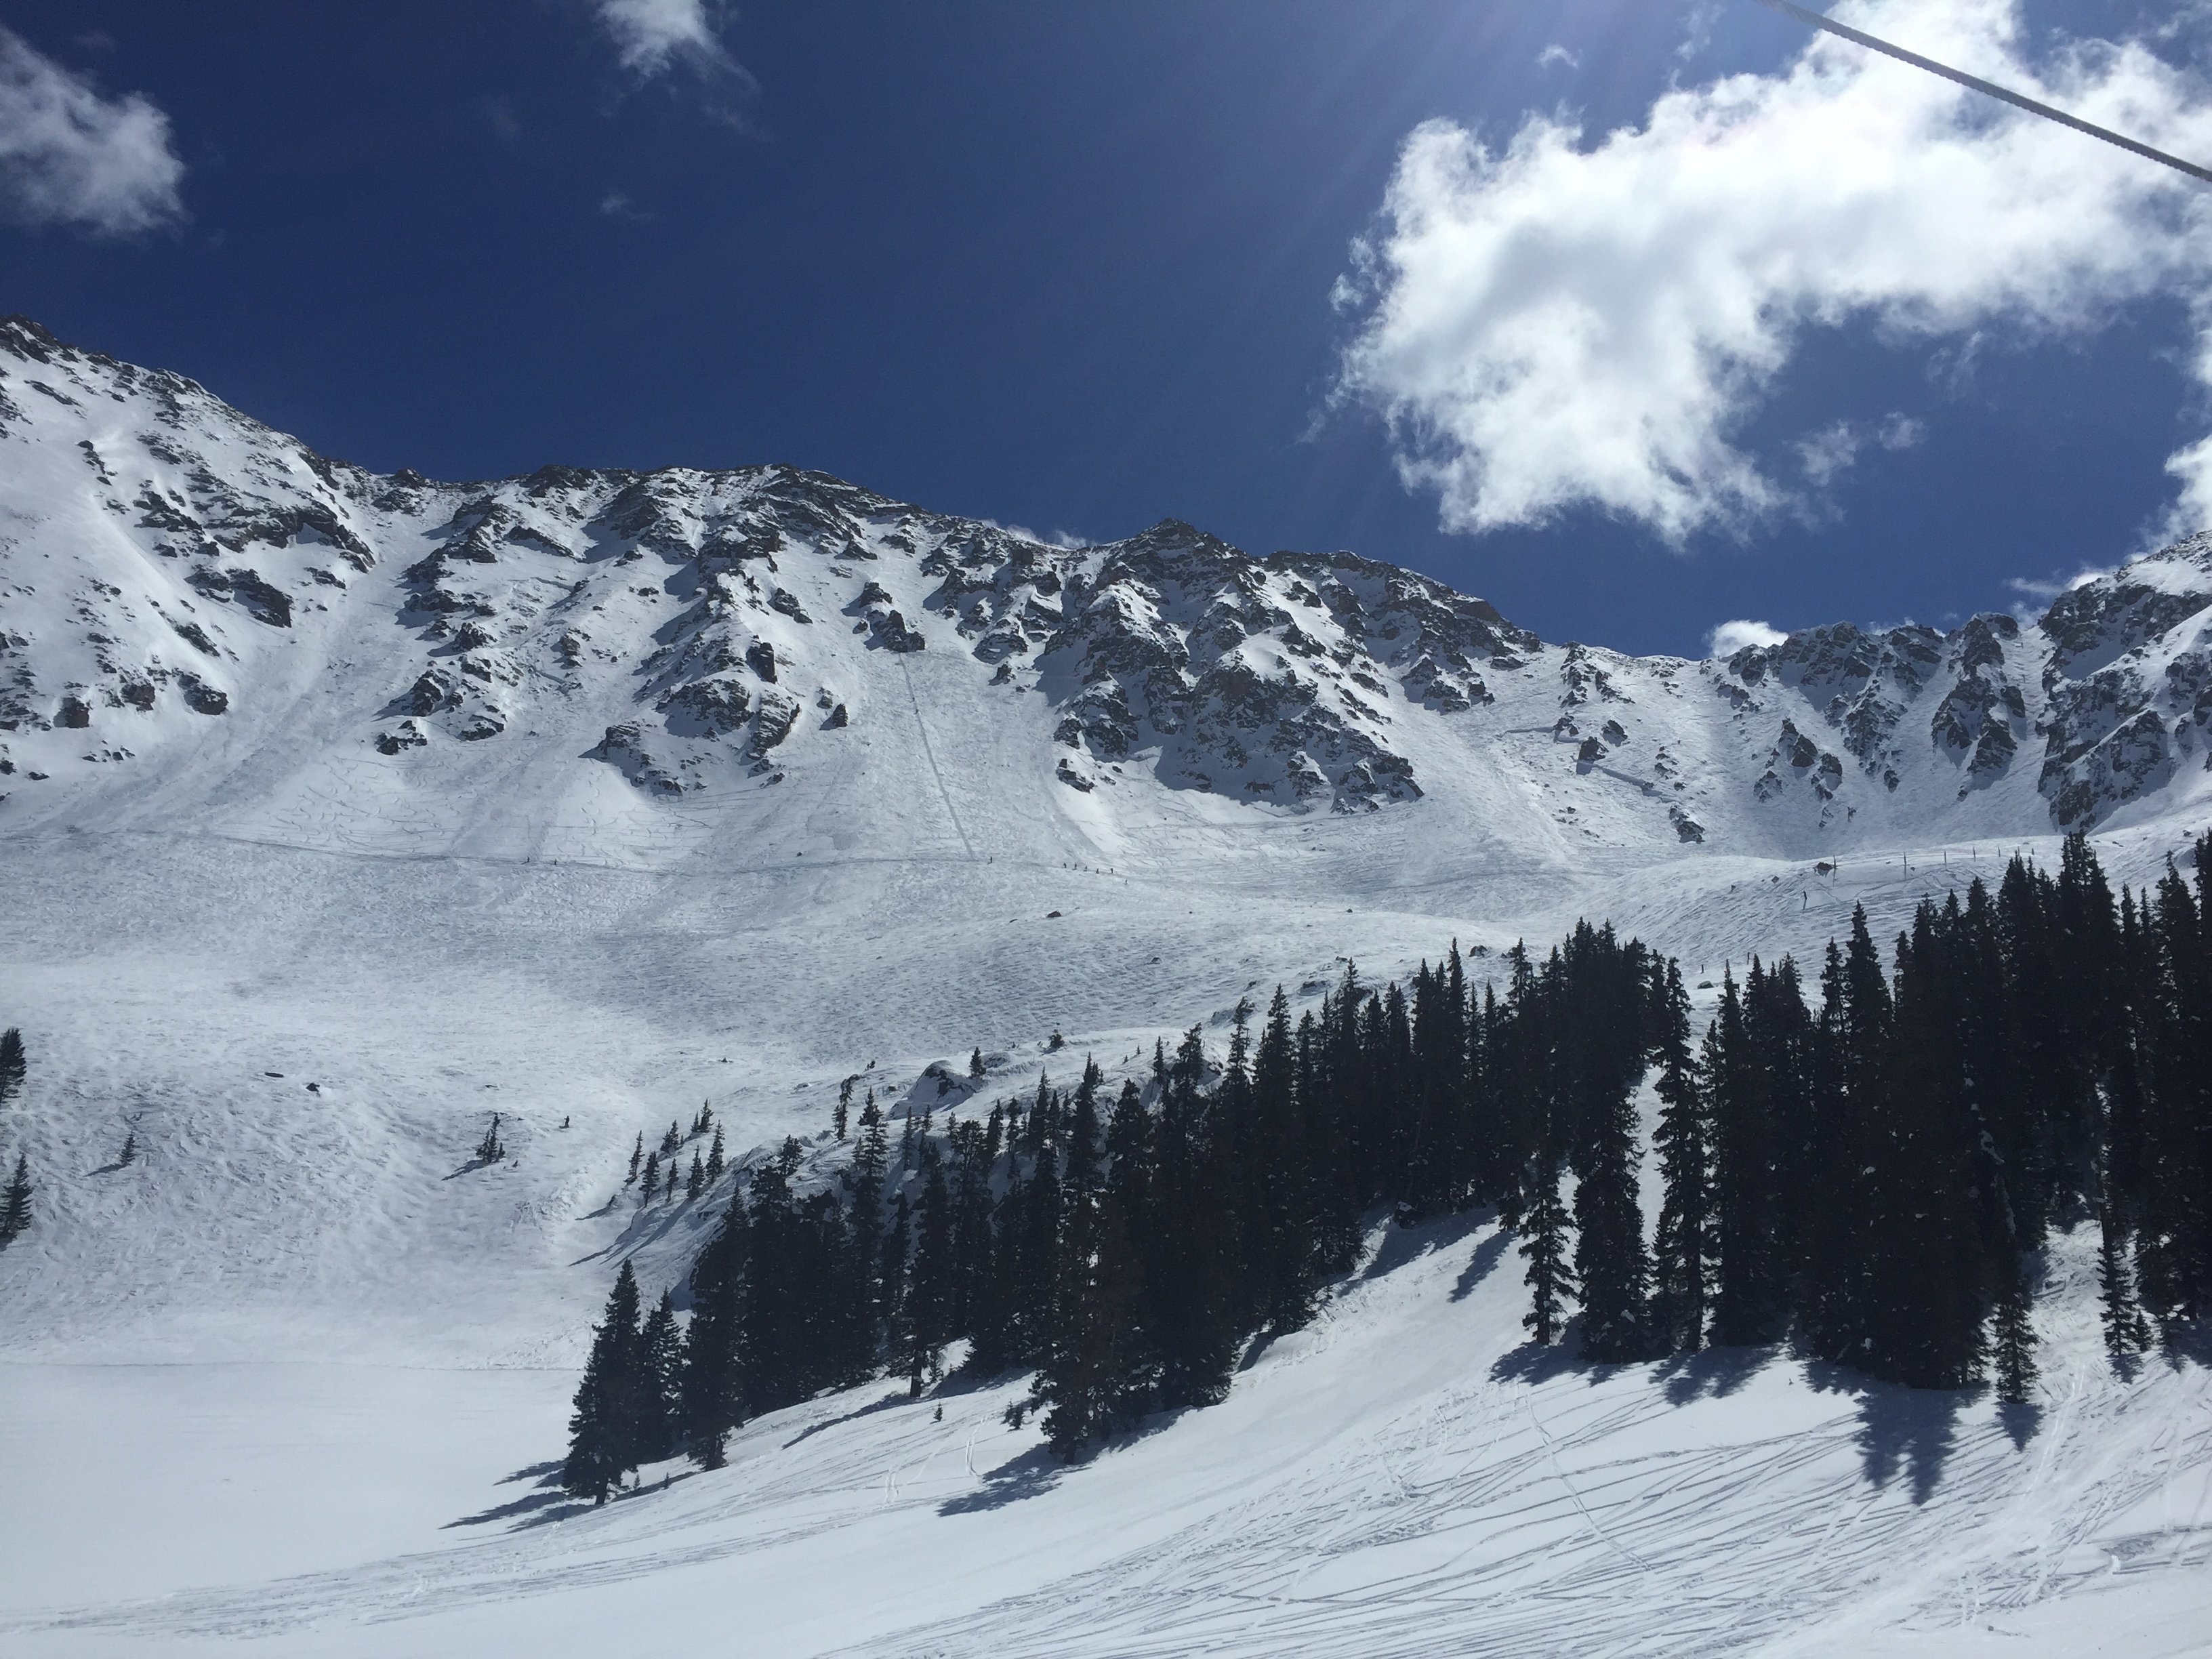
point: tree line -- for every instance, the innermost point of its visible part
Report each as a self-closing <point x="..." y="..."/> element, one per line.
<point x="15" y="1194"/>
<point x="1869" y="1173"/>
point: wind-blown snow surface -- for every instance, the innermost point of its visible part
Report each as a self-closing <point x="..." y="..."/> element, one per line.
<point x="298" y="1373"/>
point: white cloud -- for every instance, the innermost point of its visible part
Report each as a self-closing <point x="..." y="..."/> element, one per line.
<point x="1066" y="540"/>
<point x="1834" y="449"/>
<point x="1556" y="54"/>
<point x="653" y="36"/>
<point x="2044" y="590"/>
<point x="69" y="156"/>
<point x="1563" y="324"/>
<point x="1731" y="637"/>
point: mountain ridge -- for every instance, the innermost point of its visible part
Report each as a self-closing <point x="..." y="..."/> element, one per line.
<point x="695" y="633"/>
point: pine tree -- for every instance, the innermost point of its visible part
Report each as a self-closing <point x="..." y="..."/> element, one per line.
<point x="490" y="1150"/>
<point x="929" y="1296"/>
<point x="2126" y="1330"/>
<point x="975" y="1062"/>
<point x="129" y="1155"/>
<point x="1684" y="1249"/>
<point x="16" y="1201"/>
<point x="12" y="1067"/>
<point x="696" y="1183"/>
<point x="636" y="1153"/>
<point x="714" y="1157"/>
<point x="1837" y="1298"/>
<point x="1550" y="1279"/>
<point x="714" y="1389"/>
<point x="659" y="1384"/>
<point x="2012" y="1338"/>
<point x="602" y="1431"/>
<point x="1611" y="1263"/>
<point x="1071" y="1381"/>
<point x="672" y="1140"/>
<point x="1190" y="1277"/>
<point x="645" y="1194"/>
<point x="837" y="1117"/>
<point x="1745" y="1293"/>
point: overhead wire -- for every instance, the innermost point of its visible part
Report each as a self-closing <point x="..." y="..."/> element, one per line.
<point x="1988" y="88"/>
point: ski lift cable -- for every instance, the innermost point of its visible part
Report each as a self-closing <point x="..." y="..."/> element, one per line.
<point x="1989" y="89"/>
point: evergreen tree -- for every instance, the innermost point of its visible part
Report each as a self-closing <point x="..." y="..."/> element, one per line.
<point x="1610" y="1264"/>
<point x="659" y="1384"/>
<point x="696" y="1183"/>
<point x="12" y="1067"/>
<point x="1685" y="1247"/>
<point x="2126" y="1331"/>
<point x="714" y="1157"/>
<point x="652" y="1185"/>
<point x="837" y="1117"/>
<point x="602" y="1430"/>
<point x="1746" y="1293"/>
<point x="1836" y="1303"/>
<point x="1190" y="1265"/>
<point x="975" y="1062"/>
<point x="2012" y="1339"/>
<point x="714" y="1390"/>
<point x="636" y="1153"/>
<point x="1550" y="1279"/>
<point x="129" y="1155"/>
<point x="490" y="1150"/>
<point x="16" y="1201"/>
<point x="1072" y="1381"/>
<point x="929" y="1298"/>
<point x="672" y="1140"/>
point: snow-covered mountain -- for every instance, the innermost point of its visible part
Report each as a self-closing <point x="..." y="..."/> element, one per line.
<point x="342" y="809"/>
<point x="205" y="621"/>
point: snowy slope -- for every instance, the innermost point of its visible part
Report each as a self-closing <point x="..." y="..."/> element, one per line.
<point x="589" y="795"/>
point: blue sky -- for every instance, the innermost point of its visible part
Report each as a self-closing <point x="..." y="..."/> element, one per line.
<point x="1079" y="267"/>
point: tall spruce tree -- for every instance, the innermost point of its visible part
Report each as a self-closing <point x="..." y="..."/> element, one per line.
<point x="1684" y="1249"/>
<point x="1610" y="1264"/>
<point x="714" y="1388"/>
<point x="16" y="1201"/>
<point x="657" y="1426"/>
<point x="1550" y="1279"/>
<point x="602" y="1427"/>
<point x="13" y="1068"/>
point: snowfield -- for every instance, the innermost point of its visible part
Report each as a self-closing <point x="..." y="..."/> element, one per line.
<point x="296" y="1380"/>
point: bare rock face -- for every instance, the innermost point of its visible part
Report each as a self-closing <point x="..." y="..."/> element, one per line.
<point x="1267" y="681"/>
<point x="2129" y="684"/>
<point x="693" y="618"/>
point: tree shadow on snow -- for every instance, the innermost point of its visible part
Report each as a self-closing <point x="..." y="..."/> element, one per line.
<point x="1908" y="1431"/>
<point x="546" y="1479"/>
<point x="1033" y="1471"/>
<point x="531" y="1506"/>
<point x="1709" y="1374"/>
<point x="1480" y="1264"/>
<point x="1400" y="1245"/>
<point x="2020" y="1421"/>
<point x="2187" y="1344"/>
<point x="1540" y="1362"/>
<point x="901" y="1398"/>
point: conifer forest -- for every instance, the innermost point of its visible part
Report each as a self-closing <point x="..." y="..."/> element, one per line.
<point x="1863" y="1161"/>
